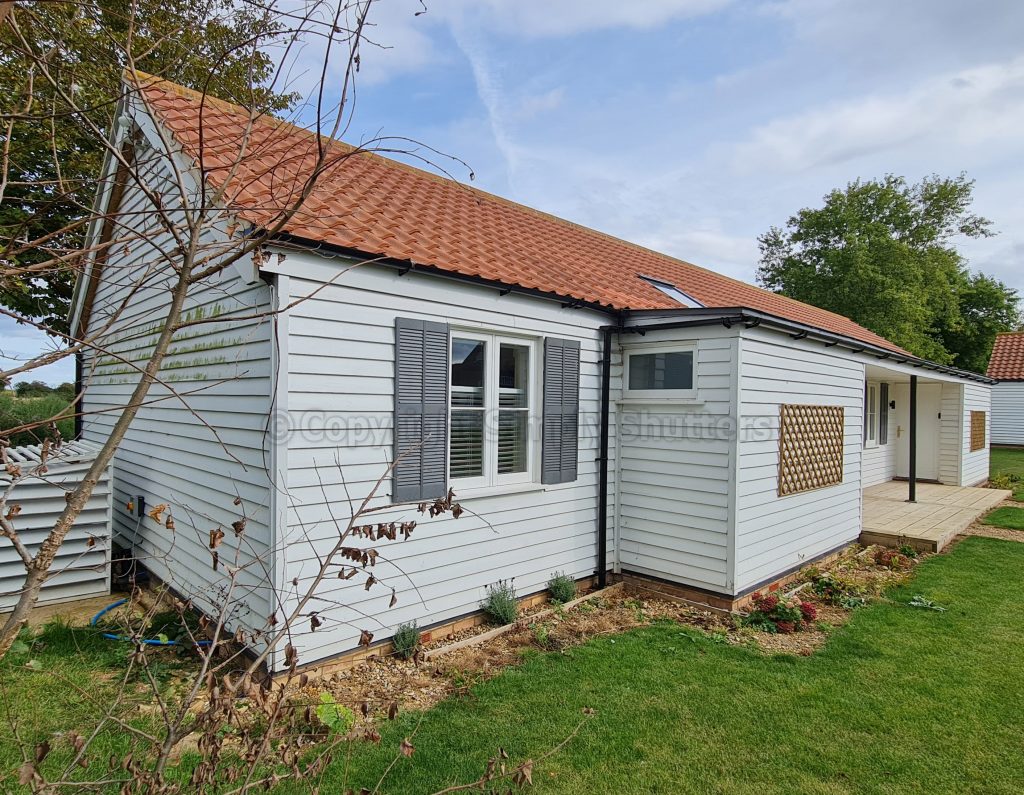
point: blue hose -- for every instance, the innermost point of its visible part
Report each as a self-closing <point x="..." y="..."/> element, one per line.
<point x="147" y="642"/>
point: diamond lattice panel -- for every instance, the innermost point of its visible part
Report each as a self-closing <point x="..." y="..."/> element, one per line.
<point x="810" y="447"/>
<point x="977" y="430"/>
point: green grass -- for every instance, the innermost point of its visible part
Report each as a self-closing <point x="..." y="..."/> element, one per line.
<point x="1010" y="518"/>
<point x="60" y="679"/>
<point x="1010" y="463"/>
<point x="15" y="412"/>
<point x="1007" y="461"/>
<point x="901" y="700"/>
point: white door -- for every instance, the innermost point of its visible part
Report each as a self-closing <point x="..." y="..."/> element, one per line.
<point x="929" y="416"/>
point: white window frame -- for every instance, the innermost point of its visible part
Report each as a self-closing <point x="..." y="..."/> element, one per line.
<point x="871" y="414"/>
<point x="659" y="394"/>
<point x="490" y="477"/>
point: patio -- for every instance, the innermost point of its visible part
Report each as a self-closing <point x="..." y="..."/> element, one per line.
<point x="940" y="513"/>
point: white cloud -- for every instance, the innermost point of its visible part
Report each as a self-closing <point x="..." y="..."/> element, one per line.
<point x="706" y="244"/>
<point x="536" y="104"/>
<point x="543" y="18"/>
<point x="973" y="107"/>
<point x="401" y="31"/>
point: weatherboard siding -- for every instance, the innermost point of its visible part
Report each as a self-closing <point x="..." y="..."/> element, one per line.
<point x="974" y="466"/>
<point x="775" y="534"/>
<point x="196" y="452"/>
<point x="1007" y="426"/>
<point x="340" y="378"/>
<point x="676" y="460"/>
<point x="952" y="433"/>
<point x="878" y="463"/>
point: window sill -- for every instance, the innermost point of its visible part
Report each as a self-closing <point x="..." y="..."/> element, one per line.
<point x="496" y="491"/>
<point x="666" y="401"/>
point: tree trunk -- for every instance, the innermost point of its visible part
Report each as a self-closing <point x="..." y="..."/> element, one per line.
<point x="36" y="574"/>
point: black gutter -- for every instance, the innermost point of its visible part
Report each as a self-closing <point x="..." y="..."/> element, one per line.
<point x="802" y="331"/>
<point x="408" y="266"/>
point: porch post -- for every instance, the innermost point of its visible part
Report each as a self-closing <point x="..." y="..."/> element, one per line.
<point x="913" y="440"/>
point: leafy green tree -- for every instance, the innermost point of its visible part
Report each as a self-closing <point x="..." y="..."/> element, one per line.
<point x="883" y="253"/>
<point x="987" y="307"/>
<point x="26" y="389"/>
<point x="54" y="159"/>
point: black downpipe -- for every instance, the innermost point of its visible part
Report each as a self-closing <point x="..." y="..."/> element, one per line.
<point x="912" y="497"/>
<point x="77" y="405"/>
<point x="602" y="457"/>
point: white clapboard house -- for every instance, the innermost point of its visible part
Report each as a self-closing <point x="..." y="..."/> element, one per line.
<point x="601" y="409"/>
<point x="1007" y="367"/>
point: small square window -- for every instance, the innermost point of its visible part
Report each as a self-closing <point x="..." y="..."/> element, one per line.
<point x="660" y="373"/>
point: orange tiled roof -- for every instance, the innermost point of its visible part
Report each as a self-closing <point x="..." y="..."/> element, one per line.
<point x="380" y="207"/>
<point x="1007" y="362"/>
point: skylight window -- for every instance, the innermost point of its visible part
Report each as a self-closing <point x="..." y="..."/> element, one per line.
<point x="673" y="292"/>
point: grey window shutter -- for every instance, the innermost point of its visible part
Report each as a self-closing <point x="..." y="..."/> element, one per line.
<point x="421" y="410"/>
<point x="560" y="437"/>
<point x="883" y="413"/>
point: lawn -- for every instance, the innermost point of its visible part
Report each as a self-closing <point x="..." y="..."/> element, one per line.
<point x="1010" y="462"/>
<point x="1007" y="461"/>
<point x="63" y="680"/>
<point x="1009" y="518"/>
<point x="901" y="699"/>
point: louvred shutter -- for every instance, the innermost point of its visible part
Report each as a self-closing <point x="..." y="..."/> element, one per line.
<point x="421" y="410"/>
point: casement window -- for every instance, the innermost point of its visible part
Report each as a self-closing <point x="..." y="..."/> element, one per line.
<point x="661" y="372"/>
<point x="492" y="393"/>
<point x="871" y="415"/>
<point x="876" y="414"/>
<point x="482" y="410"/>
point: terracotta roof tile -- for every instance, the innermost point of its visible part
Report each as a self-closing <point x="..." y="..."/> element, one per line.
<point x="369" y="203"/>
<point x="1007" y="362"/>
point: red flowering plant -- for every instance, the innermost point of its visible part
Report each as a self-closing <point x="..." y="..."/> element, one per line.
<point x="779" y="613"/>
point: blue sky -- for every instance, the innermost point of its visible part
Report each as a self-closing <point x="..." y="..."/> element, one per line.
<point x="691" y="126"/>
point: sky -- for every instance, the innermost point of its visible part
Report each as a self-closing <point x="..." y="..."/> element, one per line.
<point x="693" y="126"/>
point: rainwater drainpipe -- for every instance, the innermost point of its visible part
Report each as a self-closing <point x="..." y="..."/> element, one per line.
<point x="602" y="457"/>
<point x="913" y="440"/>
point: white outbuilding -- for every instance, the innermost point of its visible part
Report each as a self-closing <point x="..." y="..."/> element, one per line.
<point x="1007" y="368"/>
<point x="600" y="409"/>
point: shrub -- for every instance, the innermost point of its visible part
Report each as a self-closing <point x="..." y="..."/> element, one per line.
<point x="909" y="551"/>
<point x="838" y="590"/>
<point x="541" y="634"/>
<point x="1003" y="480"/>
<point x="562" y="587"/>
<point x="891" y="559"/>
<point x="337" y="718"/>
<point x="406" y="640"/>
<point x="17" y="411"/>
<point x="500" y="604"/>
<point x="774" y="613"/>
